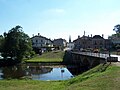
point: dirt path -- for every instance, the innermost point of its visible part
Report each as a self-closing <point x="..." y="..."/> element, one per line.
<point x="116" y="63"/>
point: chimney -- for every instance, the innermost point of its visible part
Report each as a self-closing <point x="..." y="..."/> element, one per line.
<point x="78" y="36"/>
<point x="38" y="34"/>
<point x="103" y="35"/>
<point x="84" y="33"/>
<point x="91" y="35"/>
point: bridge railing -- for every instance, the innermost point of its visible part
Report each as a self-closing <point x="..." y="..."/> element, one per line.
<point x="93" y="54"/>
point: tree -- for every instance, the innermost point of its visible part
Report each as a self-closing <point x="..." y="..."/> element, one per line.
<point x="117" y="28"/>
<point x="17" y="44"/>
<point x="1" y="42"/>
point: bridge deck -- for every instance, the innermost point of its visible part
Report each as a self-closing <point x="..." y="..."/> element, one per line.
<point x="100" y="55"/>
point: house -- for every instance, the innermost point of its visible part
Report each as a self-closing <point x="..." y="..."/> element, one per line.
<point x="70" y="46"/>
<point x="83" y="42"/>
<point x="108" y="44"/>
<point x="60" y="43"/>
<point x="115" y="40"/>
<point x="41" y="43"/>
<point x="95" y="42"/>
<point x="98" y="42"/>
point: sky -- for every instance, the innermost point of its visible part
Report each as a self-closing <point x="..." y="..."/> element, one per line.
<point x="60" y="18"/>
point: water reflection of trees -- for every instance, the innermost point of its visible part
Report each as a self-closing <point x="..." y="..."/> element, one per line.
<point x="14" y="72"/>
<point x="36" y="70"/>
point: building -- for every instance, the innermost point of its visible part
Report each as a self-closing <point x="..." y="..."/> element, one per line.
<point x="70" y="46"/>
<point x="95" y="42"/>
<point x="60" y="43"/>
<point x="98" y="42"/>
<point x="41" y="43"/>
<point x="83" y="42"/>
<point x="115" y="40"/>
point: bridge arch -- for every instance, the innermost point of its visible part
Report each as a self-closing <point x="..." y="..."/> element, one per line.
<point x="86" y="63"/>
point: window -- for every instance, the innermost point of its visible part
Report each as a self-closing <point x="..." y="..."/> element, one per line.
<point x="36" y="41"/>
<point x="41" y="45"/>
<point x="41" y="40"/>
<point x="32" y="43"/>
<point x="101" y="43"/>
<point x="95" y="43"/>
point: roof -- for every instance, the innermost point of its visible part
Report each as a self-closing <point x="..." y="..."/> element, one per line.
<point x="59" y="39"/>
<point x="41" y="37"/>
<point x="97" y="37"/>
<point x="83" y="38"/>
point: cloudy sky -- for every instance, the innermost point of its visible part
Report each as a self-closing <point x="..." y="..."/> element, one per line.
<point x="60" y="18"/>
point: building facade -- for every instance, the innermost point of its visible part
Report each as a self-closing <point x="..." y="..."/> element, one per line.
<point x="70" y="46"/>
<point x="95" y="42"/>
<point x="60" y="43"/>
<point x="98" y="42"/>
<point x="115" y="40"/>
<point x="83" y="42"/>
<point x="41" y="42"/>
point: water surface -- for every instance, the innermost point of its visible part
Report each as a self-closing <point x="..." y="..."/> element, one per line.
<point x="35" y="72"/>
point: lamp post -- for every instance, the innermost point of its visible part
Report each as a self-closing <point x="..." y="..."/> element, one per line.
<point x="109" y="53"/>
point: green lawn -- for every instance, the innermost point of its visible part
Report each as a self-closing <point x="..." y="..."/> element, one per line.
<point x="99" y="78"/>
<point x="30" y="85"/>
<point x="56" y="56"/>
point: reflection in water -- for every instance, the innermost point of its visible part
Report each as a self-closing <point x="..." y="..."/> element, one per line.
<point x="12" y="72"/>
<point x="1" y="74"/>
<point x="35" y="72"/>
<point x="56" y="74"/>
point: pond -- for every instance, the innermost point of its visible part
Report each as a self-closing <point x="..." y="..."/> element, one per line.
<point x="35" y="72"/>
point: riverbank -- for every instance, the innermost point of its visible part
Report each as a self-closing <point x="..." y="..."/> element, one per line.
<point x="48" y="57"/>
<point x="99" y="78"/>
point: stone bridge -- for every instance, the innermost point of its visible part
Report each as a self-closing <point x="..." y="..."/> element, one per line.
<point x="88" y="59"/>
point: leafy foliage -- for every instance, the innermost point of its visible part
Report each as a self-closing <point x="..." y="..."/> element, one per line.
<point x="1" y="42"/>
<point x="117" y="28"/>
<point x="17" y="44"/>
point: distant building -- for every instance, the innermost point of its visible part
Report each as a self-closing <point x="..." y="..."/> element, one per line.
<point x="95" y="42"/>
<point x="60" y="43"/>
<point x="98" y="42"/>
<point x="108" y="43"/>
<point x="70" y="46"/>
<point x="41" y="42"/>
<point x="115" y="40"/>
<point x="83" y="42"/>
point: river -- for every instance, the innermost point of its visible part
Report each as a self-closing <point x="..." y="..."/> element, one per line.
<point x="35" y="72"/>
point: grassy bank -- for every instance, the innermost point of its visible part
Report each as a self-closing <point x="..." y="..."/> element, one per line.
<point x="56" y="56"/>
<point x="99" y="78"/>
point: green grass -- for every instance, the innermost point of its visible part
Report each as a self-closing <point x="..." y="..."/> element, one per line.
<point x="105" y="77"/>
<point x="48" y="57"/>
<point x="99" y="78"/>
<point x="30" y="85"/>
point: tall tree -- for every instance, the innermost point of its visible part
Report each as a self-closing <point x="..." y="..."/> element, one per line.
<point x="117" y="28"/>
<point x="17" y="44"/>
<point x="1" y="42"/>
